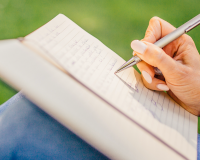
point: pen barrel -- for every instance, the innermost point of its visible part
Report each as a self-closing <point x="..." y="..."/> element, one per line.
<point x="169" y="38"/>
<point x="178" y="32"/>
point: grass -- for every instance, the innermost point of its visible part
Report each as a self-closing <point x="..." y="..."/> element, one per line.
<point x="115" y="23"/>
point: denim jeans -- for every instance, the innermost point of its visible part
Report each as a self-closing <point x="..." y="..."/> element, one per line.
<point x="27" y="132"/>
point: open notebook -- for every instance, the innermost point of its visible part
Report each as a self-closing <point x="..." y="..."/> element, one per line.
<point x="90" y="63"/>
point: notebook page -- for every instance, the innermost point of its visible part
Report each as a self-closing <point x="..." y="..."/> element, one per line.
<point x="93" y="65"/>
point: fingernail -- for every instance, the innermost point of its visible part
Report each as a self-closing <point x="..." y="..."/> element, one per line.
<point x="147" y="77"/>
<point x="163" y="87"/>
<point x="138" y="46"/>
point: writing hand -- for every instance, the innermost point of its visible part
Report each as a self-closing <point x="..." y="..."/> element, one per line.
<point x="179" y="62"/>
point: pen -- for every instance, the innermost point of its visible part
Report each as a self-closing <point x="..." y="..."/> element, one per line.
<point x="186" y="27"/>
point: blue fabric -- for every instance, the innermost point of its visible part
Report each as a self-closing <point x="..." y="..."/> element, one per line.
<point x="198" y="147"/>
<point x="26" y="132"/>
<point x="12" y="100"/>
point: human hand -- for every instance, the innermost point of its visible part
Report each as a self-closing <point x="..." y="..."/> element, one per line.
<point x="179" y="62"/>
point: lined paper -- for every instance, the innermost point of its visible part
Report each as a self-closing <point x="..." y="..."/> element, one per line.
<point x="93" y="64"/>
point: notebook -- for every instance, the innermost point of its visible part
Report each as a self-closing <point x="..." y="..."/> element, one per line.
<point x="70" y="74"/>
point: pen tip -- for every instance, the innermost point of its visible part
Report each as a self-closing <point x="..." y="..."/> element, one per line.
<point x="115" y="72"/>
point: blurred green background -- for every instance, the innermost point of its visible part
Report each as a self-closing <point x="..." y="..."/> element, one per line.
<point x="115" y="23"/>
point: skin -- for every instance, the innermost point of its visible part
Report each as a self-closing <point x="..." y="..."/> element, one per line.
<point x="179" y="62"/>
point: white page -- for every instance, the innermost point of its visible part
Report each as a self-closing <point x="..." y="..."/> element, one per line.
<point x="46" y="86"/>
<point x="93" y="64"/>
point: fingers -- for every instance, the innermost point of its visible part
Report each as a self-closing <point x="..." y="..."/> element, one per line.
<point x="154" y="56"/>
<point x="156" y="84"/>
<point x="146" y="69"/>
<point x="148" y="78"/>
<point x="157" y="29"/>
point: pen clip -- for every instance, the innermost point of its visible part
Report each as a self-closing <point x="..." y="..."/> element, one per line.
<point x="192" y="26"/>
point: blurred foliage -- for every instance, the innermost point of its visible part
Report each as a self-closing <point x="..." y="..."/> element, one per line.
<point x="115" y="23"/>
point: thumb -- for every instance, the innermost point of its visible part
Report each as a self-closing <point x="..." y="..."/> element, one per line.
<point x="157" y="29"/>
<point x="154" y="56"/>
